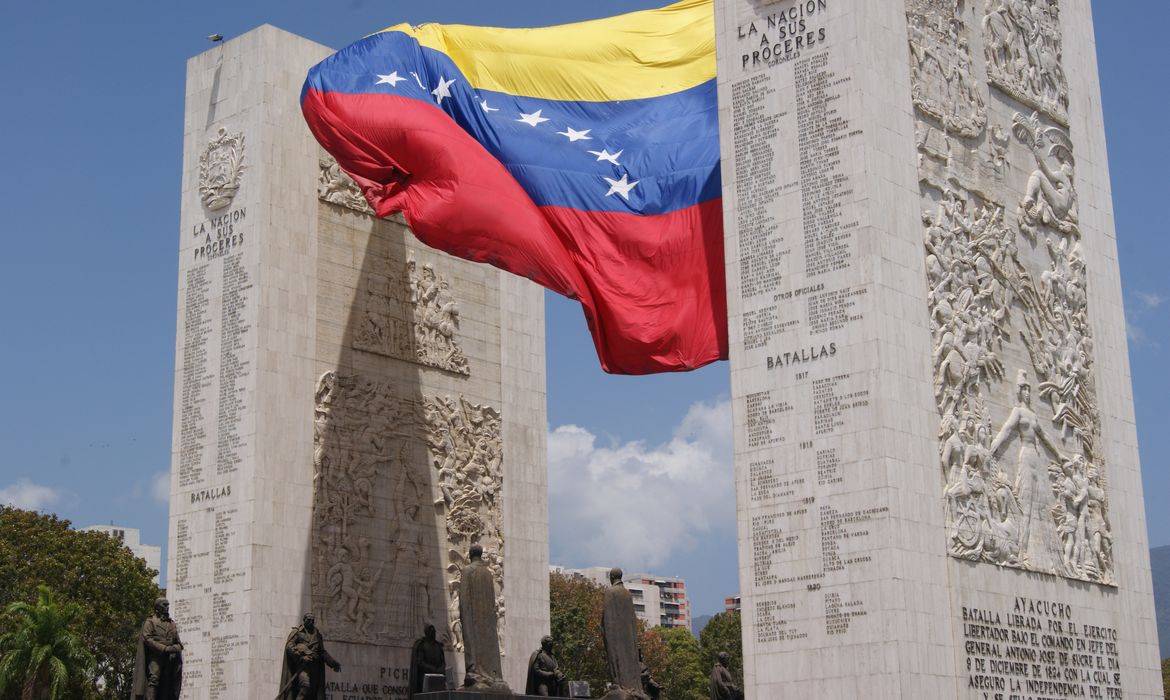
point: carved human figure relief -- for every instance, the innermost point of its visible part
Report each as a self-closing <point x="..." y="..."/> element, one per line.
<point x="466" y="455"/>
<point x="412" y="317"/>
<point x="335" y="187"/>
<point x="1022" y="44"/>
<point x="436" y="320"/>
<point x="370" y="569"/>
<point x="1051" y="196"/>
<point x="221" y="166"/>
<point x="943" y="82"/>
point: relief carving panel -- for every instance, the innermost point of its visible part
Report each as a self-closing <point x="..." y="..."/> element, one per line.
<point x="1019" y="440"/>
<point x="221" y="166"/>
<point x="370" y="581"/>
<point x="1022" y="46"/>
<point x="466" y="454"/>
<point x="412" y="317"/>
<point x="943" y="84"/>
<point x="335" y="187"/>
<point x="1021" y="463"/>
<point x="385" y="541"/>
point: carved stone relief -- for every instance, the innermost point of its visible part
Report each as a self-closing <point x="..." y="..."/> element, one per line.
<point x="1024" y="482"/>
<point x="943" y="85"/>
<point x="369" y="575"/>
<point x="413" y="317"/>
<point x="1023" y="474"/>
<point x="375" y="577"/>
<point x="220" y="167"/>
<point x="466" y="455"/>
<point x="1051" y="197"/>
<point x="335" y="187"/>
<point x="1022" y="46"/>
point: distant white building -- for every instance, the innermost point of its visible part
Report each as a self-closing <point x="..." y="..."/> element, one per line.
<point x="660" y="601"/>
<point x="130" y="538"/>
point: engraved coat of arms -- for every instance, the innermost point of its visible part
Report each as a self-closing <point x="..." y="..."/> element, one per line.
<point x="220" y="167"/>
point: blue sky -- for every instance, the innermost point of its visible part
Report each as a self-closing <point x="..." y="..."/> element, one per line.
<point x="89" y="195"/>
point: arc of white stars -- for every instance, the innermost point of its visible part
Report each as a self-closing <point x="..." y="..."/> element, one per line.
<point x="443" y="89"/>
<point x="532" y="119"/>
<point x="622" y="186"/>
<point x="605" y="155"/>
<point x="574" y="135"/>
<point x="487" y="109"/>
<point x="392" y="80"/>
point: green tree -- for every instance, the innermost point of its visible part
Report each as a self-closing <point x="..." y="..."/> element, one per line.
<point x="39" y="654"/>
<point x="684" y="677"/>
<point x="1166" y="678"/>
<point x="724" y="633"/>
<point x="112" y="588"/>
<point x="575" y="610"/>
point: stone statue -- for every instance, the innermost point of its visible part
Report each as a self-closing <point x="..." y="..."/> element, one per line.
<point x="477" y="616"/>
<point x="305" y="659"/>
<point x="544" y="677"/>
<point x="158" y="667"/>
<point x="722" y="687"/>
<point x="619" y="628"/>
<point x="426" y="657"/>
<point x="650" y="686"/>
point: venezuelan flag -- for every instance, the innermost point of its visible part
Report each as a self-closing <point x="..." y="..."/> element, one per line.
<point x="584" y="157"/>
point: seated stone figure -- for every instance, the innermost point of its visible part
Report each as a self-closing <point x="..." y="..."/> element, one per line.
<point x="544" y="675"/>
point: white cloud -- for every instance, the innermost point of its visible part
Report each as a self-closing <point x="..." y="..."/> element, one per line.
<point x="160" y="487"/>
<point x="29" y="496"/>
<point x="1150" y="300"/>
<point x="634" y="505"/>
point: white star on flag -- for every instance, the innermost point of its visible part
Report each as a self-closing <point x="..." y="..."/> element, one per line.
<point x="574" y="135"/>
<point x="605" y="155"/>
<point x="622" y="186"/>
<point x="418" y="80"/>
<point x="392" y="80"/>
<point x="532" y="119"/>
<point x="484" y="104"/>
<point x="443" y="89"/>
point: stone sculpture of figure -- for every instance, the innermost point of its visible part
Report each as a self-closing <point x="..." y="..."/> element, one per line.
<point x="1039" y="542"/>
<point x="305" y="659"/>
<point x="158" y="667"/>
<point x="477" y="617"/>
<point x="1050" y="197"/>
<point x="426" y="657"/>
<point x="1096" y="531"/>
<point x="619" y="628"/>
<point x="544" y="675"/>
<point x="650" y="686"/>
<point x="723" y="686"/>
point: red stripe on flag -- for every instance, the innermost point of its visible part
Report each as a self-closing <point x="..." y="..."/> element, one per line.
<point x="657" y="282"/>
<point x="651" y="286"/>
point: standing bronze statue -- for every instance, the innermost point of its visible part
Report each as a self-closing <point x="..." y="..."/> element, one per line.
<point x="619" y="628"/>
<point x="544" y="675"/>
<point x="723" y="686"/>
<point x="477" y="616"/>
<point x="426" y="657"/>
<point x="305" y="659"/>
<point x="158" y="666"/>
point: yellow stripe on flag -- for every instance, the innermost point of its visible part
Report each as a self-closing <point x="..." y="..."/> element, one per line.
<point x="628" y="57"/>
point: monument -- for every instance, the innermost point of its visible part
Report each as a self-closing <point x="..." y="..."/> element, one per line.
<point x="936" y="463"/>
<point x="353" y="410"/>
